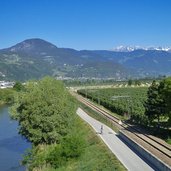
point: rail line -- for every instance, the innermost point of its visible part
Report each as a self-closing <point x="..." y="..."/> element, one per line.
<point x="164" y="149"/>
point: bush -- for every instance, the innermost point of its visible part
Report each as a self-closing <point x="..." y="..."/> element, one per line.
<point x="18" y="86"/>
<point x="55" y="155"/>
<point x="72" y="146"/>
<point x="55" y="158"/>
<point x="7" y="95"/>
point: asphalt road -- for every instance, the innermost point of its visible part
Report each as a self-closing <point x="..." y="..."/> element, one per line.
<point x="127" y="157"/>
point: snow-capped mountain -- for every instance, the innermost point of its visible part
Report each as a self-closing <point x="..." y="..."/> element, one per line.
<point x="133" y="48"/>
<point x="35" y="58"/>
<point x="125" y="48"/>
<point x="159" y="48"/>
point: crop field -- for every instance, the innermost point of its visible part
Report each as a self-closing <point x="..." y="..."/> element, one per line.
<point x="127" y="102"/>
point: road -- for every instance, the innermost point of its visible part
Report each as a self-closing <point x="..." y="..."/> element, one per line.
<point x="127" y="157"/>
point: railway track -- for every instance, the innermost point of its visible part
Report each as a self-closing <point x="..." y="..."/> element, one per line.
<point x="152" y="141"/>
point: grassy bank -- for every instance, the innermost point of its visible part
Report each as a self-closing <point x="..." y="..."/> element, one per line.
<point x="96" y="156"/>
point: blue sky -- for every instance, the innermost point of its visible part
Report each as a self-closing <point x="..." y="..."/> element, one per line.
<point x="86" y="24"/>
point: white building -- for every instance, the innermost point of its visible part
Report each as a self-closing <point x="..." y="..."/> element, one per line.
<point x="6" y="84"/>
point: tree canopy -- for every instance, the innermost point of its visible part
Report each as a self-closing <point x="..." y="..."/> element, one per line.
<point x="153" y="105"/>
<point x="45" y="111"/>
<point x="167" y="96"/>
<point x="18" y="86"/>
<point x="159" y="100"/>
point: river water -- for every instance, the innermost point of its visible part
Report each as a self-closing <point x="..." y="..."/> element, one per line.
<point x="12" y="145"/>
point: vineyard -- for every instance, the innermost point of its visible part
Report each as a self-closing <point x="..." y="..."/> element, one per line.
<point x="127" y="102"/>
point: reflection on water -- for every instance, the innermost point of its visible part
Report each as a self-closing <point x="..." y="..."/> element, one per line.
<point x="12" y="145"/>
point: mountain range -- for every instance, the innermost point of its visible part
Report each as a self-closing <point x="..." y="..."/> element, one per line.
<point x="35" y="58"/>
<point x="133" y="48"/>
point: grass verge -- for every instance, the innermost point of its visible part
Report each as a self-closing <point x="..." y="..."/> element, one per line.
<point x="95" y="157"/>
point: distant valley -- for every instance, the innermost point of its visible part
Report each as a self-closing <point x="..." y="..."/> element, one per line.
<point x="35" y="58"/>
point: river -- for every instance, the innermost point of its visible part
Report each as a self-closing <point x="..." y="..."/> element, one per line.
<point x="12" y="145"/>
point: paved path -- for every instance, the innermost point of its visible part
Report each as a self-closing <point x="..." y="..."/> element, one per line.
<point x="128" y="158"/>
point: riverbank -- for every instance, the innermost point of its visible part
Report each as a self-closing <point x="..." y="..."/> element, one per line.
<point x="95" y="154"/>
<point x="2" y="103"/>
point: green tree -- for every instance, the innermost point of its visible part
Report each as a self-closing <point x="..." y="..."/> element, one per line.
<point x="167" y="96"/>
<point x="18" y="86"/>
<point x="130" y="82"/>
<point x="137" y="82"/>
<point x="6" y="96"/>
<point x="45" y="111"/>
<point x="155" y="104"/>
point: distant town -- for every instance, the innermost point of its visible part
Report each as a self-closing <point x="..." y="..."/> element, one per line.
<point x="6" y="84"/>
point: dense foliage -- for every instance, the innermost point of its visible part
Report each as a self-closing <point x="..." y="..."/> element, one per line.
<point x="124" y="101"/>
<point x="57" y="155"/>
<point x="167" y="96"/>
<point x="45" y="111"/>
<point x="18" y="86"/>
<point x="155" y="103"/>
<point x="6" y="96"/>
<point x="159" y="100"/>
<point x="78" y="151"/>
<point x="46" y="114"/>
